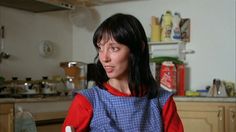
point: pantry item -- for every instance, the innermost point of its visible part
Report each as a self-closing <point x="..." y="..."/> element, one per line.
<point x="230" y="88"/>
<point x="168" y="76"/>
<point x="76" y="74"/>
<point x="185" y="29"/>
<point x="47" y="86"/>
<point x="155" y="30"/>
<point x="28" y="87"/>
<point x="4" y="90"/>
<point x="175" y="32"/>
<point x="14" y="83"/>
<point x="202" y="92"/>
<point x="166" y="27"/>
<point x="180" y="84"/>
<point x="192" y="93"/>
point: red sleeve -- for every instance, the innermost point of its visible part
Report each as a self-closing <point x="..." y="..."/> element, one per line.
<point x="79" y="114"/>
<point x="171" y="119"/>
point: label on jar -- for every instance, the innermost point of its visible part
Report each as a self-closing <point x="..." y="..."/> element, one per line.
<point x="168" y="76"/>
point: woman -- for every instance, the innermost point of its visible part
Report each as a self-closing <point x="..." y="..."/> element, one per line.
<point x="126" y="96"/>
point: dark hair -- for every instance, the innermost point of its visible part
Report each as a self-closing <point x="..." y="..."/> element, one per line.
<point x="127" y="29"/>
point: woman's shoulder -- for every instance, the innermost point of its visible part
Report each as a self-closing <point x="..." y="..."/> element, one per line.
<point x="164" y="95"/>
<point x="90" y="93"/>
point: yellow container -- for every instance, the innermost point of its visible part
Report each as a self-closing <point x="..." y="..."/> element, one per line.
<point x="166" y="27"/>
<point x="155" y="33"/>
<point x="155" y="30"/>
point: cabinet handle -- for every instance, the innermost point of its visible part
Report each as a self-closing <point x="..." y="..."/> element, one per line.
<point x="232" y="115"/>
<point x="219" y="114"/>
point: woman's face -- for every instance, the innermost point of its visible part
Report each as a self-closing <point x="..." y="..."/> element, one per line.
<point x="114" y="58"/>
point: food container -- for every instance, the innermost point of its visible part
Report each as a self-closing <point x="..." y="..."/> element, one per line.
<point x="76" y="74"/>
<point x="202" y="92"/>
<point x="168" y="76"/>
<point x="4" y="90"/>
<point x="47" y="86"/>
<point x="9" y="88"/>
<point x="28" y="87"/>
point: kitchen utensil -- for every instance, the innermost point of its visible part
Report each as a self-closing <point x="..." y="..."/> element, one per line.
<point x="220" y="89"/>
<point x="217" y="89"/>
<point x="3" y="55"/>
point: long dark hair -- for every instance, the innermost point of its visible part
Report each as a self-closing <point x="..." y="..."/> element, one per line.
<point x="127" y="29"/>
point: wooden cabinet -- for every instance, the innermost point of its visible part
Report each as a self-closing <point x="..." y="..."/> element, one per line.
<point x="49" y="121"/>
<point x="230" y="115"/>
<point x="48" y="114"/>
<point x="6" y="117"/>
<point x="207" y="116"/>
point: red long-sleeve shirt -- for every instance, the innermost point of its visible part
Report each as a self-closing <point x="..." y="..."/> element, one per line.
<point x="81" y="112"/>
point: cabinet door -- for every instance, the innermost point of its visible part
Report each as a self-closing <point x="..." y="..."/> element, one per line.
<point x="6" y="117"/>
<point x="230" y="120"/>
<point x="201" y="117"/>
<point x="49" y="128"/>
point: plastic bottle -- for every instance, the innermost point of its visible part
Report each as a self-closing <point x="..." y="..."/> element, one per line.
<point x="175" y="32"/>
<point x="166" y="26"/>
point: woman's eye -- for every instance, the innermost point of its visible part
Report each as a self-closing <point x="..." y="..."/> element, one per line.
<point x="114" y="49"/>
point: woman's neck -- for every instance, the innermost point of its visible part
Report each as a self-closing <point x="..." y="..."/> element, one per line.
<point x="120" y="85"/>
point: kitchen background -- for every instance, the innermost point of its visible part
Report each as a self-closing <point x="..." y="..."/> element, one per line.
<point x="212" y="38"/>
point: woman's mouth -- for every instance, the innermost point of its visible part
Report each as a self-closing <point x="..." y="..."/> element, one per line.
<point x="108" y="69"/>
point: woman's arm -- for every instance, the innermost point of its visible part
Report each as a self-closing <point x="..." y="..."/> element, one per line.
<point x="79" y="114"/>
<point x="171" y="119"/>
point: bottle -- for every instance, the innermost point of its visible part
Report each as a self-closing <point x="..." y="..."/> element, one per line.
<point x="180" y="85"/>
<point x="155" y="30"/>
<point x="168" y="76"/>
<point x="166" y="26"/>
<point x="175" y="32"/>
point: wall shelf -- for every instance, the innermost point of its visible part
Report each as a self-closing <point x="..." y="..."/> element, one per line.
<point x="172" y="49"/>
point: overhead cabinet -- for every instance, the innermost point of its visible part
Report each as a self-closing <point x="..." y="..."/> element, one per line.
<point x="37" y="5"/>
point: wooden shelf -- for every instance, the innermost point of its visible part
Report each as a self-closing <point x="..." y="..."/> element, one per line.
<point x="166" y="43"/>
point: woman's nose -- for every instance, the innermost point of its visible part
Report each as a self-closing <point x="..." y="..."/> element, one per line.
<point x="104" y="56"/>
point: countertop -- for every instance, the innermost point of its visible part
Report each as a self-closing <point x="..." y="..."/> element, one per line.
<point x="68" y="98"/>
<point x="44" y="99"/>
<point x="205" y="99"/>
